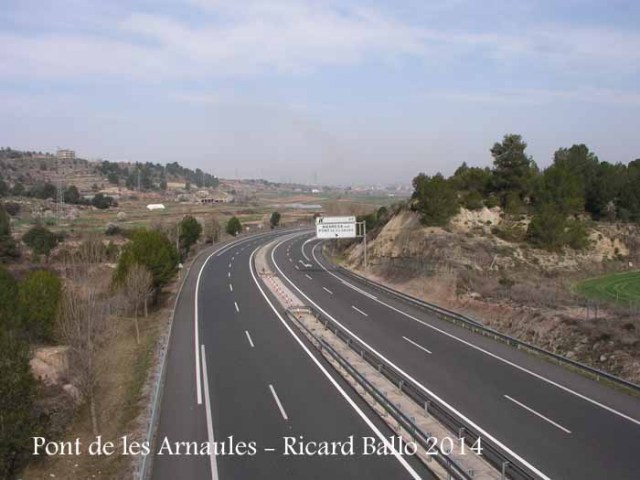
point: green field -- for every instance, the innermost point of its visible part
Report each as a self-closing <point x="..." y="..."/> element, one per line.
<point x="623" y="288"/>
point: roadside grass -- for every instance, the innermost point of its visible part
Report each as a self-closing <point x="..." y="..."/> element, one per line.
<point x="620" y="288"/>
<point x="123" y="372"/>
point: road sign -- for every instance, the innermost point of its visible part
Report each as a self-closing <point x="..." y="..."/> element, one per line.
<point x="336" y="230"/>
<point x="335" y="220"/>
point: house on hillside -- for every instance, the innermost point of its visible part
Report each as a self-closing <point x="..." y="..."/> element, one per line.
<point x="155" y="206"/>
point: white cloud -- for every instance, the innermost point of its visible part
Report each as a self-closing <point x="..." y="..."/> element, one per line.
<point x="284" y="37"/>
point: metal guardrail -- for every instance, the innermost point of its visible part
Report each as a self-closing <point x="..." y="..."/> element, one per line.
<point x="504" y="463"/>
<point x="476" y="327"/>
<point x="422" y="438"/>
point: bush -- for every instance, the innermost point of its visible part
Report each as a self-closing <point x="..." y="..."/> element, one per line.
<point x="153" y="250"/>
<point x="435" y="199"/>
<point x="39" y="297"/>
<point x="234" y="226"/>
<point x="8" y="248"/>
<point x="112" y="229"/>
<point x="8" y="300"/>
<point x="550" y="229"/>
<point x="17" y="394"/>
<point x="12" y="208"/>
<point x="547" y="229"/>
<point x="41" y="240"/>
<point x="473" y="201"/>
<point x="577" y="236"/>
<point x="102" y="201"/>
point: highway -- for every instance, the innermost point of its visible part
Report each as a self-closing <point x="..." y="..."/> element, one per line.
<point x="559" y="424"/>
<point x="235" y="368"/>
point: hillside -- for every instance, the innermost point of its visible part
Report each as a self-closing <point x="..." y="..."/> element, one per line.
<point x="511" y="286"/>
<point x="33" y="168"/>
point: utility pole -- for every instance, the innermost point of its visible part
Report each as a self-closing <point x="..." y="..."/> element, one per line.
<point x="366" y="263"/>
<point x="59" y="193"/>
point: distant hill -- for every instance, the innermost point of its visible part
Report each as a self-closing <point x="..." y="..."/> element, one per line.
<point x="28" y="169"/>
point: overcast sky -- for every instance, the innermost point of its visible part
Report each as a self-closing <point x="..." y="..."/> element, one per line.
<point x="348" y="91"/>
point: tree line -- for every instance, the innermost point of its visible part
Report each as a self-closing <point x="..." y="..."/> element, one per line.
<point x="150" y="176"/>
<point x="560" y="199"/>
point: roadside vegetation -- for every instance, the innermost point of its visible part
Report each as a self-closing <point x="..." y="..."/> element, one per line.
<point x="560" y="200"/>
<point x="70" y="364"/>
<point x="234" y="227"/>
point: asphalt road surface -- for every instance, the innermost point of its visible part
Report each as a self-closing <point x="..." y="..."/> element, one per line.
<point x="557" y="423"/>
<point x="237" y="372"/>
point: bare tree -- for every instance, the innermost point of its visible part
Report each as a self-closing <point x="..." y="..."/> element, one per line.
<point x="91" y="251"/>
<point x="212" y="229"/>
<point x="138" y="287"/>
<point x="82" y="326"/>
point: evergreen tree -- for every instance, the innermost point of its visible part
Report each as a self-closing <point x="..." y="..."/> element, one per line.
<point x="435" y="199"/>
<point x="234" y="226"/>
<point x="513" y="169"/>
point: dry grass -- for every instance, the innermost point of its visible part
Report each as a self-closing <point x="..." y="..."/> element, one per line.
<point x="126" y="366"/>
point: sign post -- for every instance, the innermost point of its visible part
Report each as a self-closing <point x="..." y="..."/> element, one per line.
<point x="342" y="227"/>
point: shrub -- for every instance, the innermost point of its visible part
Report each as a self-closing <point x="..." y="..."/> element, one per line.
<point x="153" y="250"/>
<point x="274" y="221"/>
<point x="435" y="199"/>
<point x="8" y="300"/>
<point x="577" y="236"/>
<point x="547" y="229"/>
<point x="39" y="298"/>
<point x="8" y="248"/>
<point x="41" y="240"/>
<point x="12" y="208"/>
<point x="190" y="230"/>
<point x="102" y="201"/>
<point x="234" y="226"/>
<point x="17" y="394"/>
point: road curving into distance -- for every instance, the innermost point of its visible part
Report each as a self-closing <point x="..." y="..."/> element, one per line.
<point x="237" y="373"/>
<point x="558" y="423"/>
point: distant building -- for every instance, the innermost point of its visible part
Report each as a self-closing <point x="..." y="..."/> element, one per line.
<point x="216" y="197"/>
<point x="66" y="154"/>
<point x="155" y="206"/>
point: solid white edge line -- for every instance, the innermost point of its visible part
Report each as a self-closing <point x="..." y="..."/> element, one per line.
<point x="359" y="311"/>
<point x="237" y="308"/>
<point x="497" y="357"/>
<point x="333" y="382"/>
<point x="213" y="463"/>
<point x="417" y="345"/>
<point x="249" y="338"/>
<point x="529" y="409"/>
<point x="413" y="380"/>
<point x="275" y="397"/>
<point x="360" y="291"/>
<point x="302" y="248"/>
